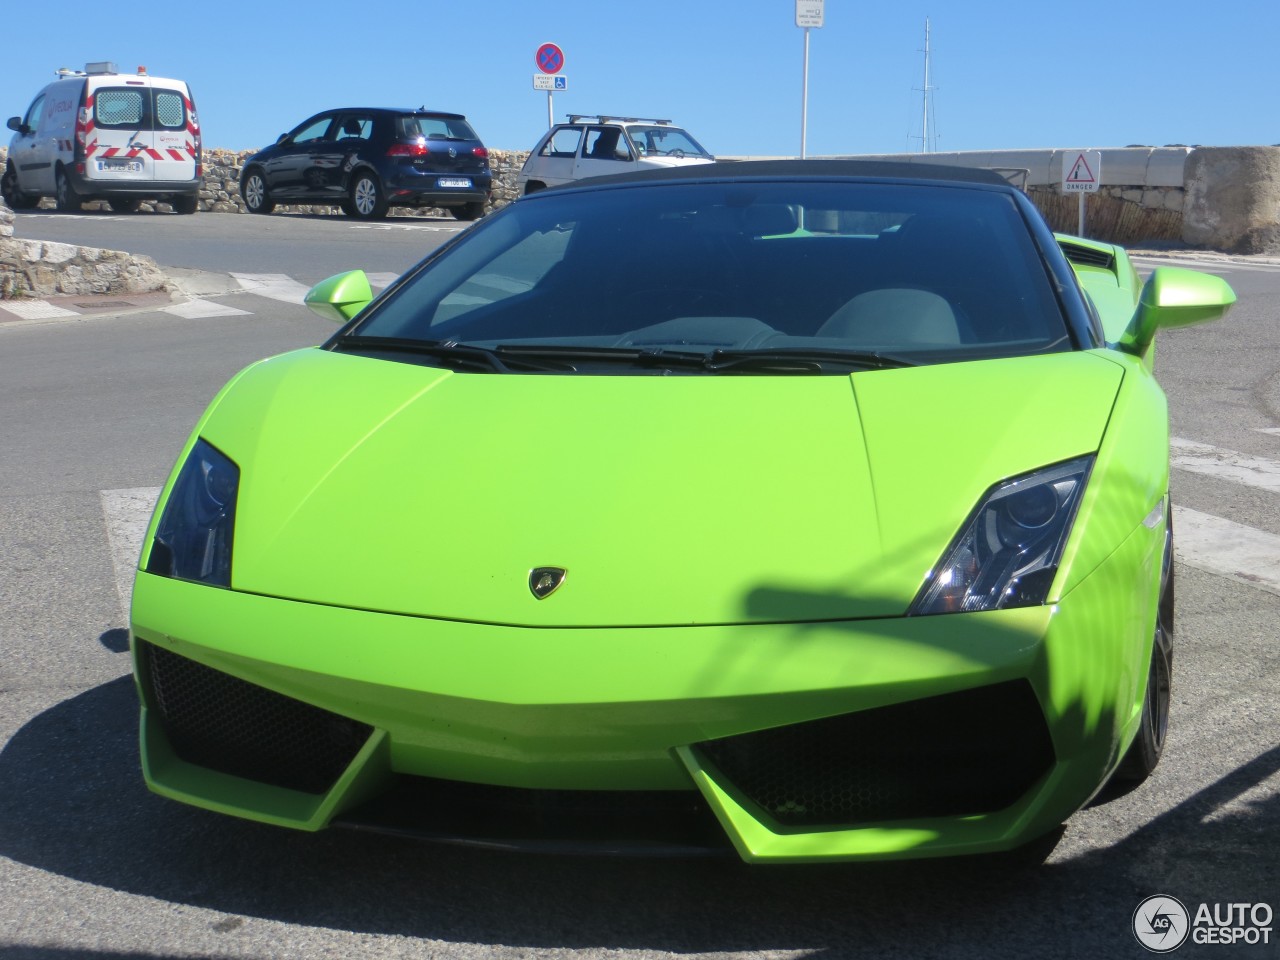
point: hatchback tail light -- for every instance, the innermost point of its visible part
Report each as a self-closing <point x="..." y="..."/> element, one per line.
<point x="408" y="150"/>
<point x="480" y="152"/>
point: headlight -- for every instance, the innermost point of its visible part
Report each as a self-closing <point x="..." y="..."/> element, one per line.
<point x="1007" y="553"/>
<point x="193" y="539"/>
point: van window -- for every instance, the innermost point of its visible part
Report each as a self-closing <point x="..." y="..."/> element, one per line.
<point x="138" y="108"/>
<point x="118" y="108"/>
<point x="170" y="112"/>
<point x="33" y="115"/>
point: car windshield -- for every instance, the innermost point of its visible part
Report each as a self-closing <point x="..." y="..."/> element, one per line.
<point x="720" y="271"/>
<point x="665" y="141"/>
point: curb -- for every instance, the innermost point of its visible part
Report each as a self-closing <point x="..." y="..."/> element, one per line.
<point x="181" y="286"/>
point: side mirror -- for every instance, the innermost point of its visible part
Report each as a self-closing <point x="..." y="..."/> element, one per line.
<point x="1174" y="297"/>
<point x="340" y="297"/>
<point x="282" y="138"/>
<point x="15" y="124"/>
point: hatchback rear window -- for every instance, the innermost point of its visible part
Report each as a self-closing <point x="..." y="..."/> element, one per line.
<point x="433" y="128"/>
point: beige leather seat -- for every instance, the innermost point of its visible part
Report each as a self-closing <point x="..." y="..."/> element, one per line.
<point x="894" y="316"/>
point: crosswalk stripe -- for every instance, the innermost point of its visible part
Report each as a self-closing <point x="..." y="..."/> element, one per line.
<point x="1227" y="549"/>
<point x="1225" y="464"/>
<point x="36" y="310"/>
<point x="127" y="513"/>
<point x="276" y="286"/>
<point x="197" y="309"/>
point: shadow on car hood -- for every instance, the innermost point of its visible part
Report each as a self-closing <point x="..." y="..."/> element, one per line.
<point x="668" y="500"/>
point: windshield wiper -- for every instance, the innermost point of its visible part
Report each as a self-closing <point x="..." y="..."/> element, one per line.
<point x="800" y="360"/>
<point x="459" y="356"/>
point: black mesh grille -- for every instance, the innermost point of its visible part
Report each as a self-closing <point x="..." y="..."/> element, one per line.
<point x="962" y="753"/>
<point x="639" y="823"/>
<point x="215" y="720"/>
<point x="1088" y="256"/>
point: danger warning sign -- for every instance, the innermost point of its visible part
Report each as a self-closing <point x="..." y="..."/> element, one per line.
<point x="1081" y="171"/>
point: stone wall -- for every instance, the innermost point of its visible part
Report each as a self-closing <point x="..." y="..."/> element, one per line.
<point x="1220" y="198"/>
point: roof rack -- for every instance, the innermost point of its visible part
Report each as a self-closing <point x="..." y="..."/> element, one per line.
<point x="602" y="118"/>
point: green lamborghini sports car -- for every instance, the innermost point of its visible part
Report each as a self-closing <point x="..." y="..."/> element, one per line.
<point x="808" y="510"/>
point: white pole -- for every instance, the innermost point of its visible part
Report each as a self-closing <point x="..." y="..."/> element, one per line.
<point x="1080" y="232"/>
<point x="924" y="128"/>
<point x="551" y="117"/>
<point x="804" y="105"/>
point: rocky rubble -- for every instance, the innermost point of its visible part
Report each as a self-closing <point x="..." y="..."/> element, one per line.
<point x="38" y="268"/>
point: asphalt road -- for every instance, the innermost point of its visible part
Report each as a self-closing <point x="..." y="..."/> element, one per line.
<point x="93" y="866"/>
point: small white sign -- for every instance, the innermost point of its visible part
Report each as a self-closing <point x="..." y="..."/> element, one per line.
<point x="809" y="13"/>
<point x="1081" y="171"/>
<point x="547" y="81"/>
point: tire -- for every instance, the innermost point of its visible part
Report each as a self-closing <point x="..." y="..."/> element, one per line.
<point x="469" y="211"/>
<point x="1148" y="746"/>
<point x="366" y="200"/>
<point x="533" y="186"/>
<point x="125" y="204"/>
<point x="14" y="197"/>
<point x="185" y="204"/>
<point x="66" y="198"/>
<point x="254" y="192"/>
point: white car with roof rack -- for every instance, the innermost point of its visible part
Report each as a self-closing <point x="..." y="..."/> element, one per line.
<point x="599" y="145"/>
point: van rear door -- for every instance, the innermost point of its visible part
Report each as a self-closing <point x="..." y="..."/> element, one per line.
<point x="138" y="132"/>
<point x="176" y="134"/>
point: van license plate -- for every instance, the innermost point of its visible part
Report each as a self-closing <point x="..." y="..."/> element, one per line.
<point x="464" y="182"/>
<point x="120" y="166"/>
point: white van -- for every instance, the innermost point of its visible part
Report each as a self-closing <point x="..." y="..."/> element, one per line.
<point x="96" y="134"/>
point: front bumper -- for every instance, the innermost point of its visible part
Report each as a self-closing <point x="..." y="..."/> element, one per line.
<point x="895" y="738"/>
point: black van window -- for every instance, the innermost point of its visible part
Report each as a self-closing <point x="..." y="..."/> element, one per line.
<point x="33" y="115"/>
<point x="170" y="113"/>
<point x="118" y="108"/>
<point x="128" y="108"/>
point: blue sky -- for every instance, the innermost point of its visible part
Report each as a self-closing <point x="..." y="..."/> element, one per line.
<point x="1072" y="73"/>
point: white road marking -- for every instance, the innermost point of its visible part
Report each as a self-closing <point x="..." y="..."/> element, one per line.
<point x="1270" y="431"/>
<point x="1227" y="549"/>
<point x="1208" y="265"/>
<point x="276" y="286"/>
<point x="382" y="279"/>
<point x="197" y="309"/>
<point x="1224" y="464"/>
<point x="408" y="226"/>
<point x="36" y="310"/>
<point x="127" y="513"/>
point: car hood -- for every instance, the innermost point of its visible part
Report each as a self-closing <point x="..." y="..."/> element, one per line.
<point x="667" y="499"/>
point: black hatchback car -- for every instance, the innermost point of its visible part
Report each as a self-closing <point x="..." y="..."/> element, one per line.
<point x="368" y="159"/>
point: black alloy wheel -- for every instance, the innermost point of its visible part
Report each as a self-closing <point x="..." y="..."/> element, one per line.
<point x="1148" y="746"/>
<point x="67" y="199"/>
<point x="13" y="195"/>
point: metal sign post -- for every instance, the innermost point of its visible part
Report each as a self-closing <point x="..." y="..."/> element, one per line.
<point x="809" y="13"/>
<point x="550" y="60"/>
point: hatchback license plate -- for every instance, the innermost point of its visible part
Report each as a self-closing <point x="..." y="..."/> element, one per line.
<point x="121" y="166"/>
<point x="464" y="182"/>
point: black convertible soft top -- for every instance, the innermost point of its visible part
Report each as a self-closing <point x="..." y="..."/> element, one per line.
<point x="806" y="169"/>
